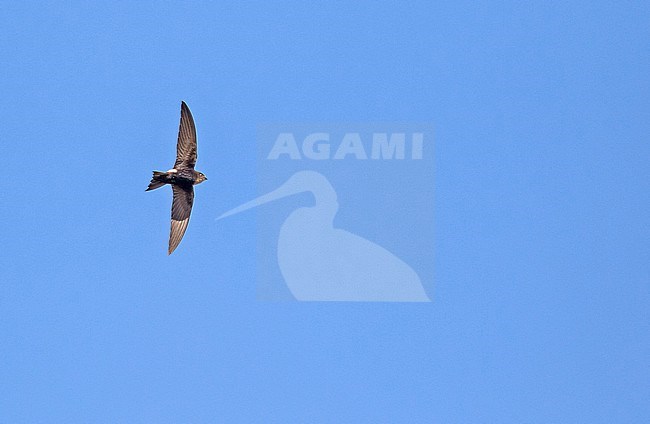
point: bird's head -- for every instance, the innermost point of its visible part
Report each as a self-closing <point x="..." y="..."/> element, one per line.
<point x="200" y="178"/>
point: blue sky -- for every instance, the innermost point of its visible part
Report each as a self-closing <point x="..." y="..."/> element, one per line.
<point x="541" y="251"/>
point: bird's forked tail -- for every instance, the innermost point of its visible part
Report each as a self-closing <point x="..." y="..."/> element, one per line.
<point x="158" y="180"/>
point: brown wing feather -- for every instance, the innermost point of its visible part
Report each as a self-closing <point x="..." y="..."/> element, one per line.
<point x="181" y="210"/>
<point x="186" y="145"/>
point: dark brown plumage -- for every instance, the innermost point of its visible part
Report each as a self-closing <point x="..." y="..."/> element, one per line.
<point x="182" y="177"/>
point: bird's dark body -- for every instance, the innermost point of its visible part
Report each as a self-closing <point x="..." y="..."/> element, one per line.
<point x="182" y="177"/>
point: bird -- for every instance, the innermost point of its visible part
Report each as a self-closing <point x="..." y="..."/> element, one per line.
<point x="182" y="177"/>
<point x="320" y="262"/>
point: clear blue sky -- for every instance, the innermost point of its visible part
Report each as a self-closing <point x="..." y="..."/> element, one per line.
<point x="541" y="304"/>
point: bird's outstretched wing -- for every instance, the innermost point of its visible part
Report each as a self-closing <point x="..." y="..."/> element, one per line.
<point x="181" y="209"/>
<point x="186" y="146"/>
